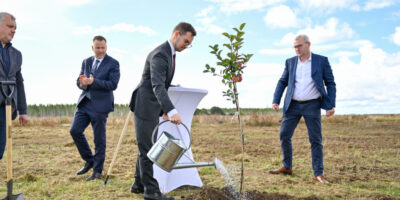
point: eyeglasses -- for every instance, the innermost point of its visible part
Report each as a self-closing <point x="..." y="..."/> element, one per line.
<point x="299" y="46"/>
<point x="187" y="43"/>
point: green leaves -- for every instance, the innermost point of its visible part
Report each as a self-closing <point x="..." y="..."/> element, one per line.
<point x="232" y="64"/>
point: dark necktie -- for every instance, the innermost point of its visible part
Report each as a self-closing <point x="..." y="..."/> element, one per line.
<point x="95" y="66"/>
<point x="173" y="64"/>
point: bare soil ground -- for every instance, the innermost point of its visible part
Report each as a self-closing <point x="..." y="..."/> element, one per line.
<point x="361" y="157"/>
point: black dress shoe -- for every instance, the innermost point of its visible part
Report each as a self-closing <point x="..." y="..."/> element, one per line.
<point x="85" y="168"/>
<point x="156" y="196"/>
<point x="137" y="189"/>
<point x="95" y="175"/>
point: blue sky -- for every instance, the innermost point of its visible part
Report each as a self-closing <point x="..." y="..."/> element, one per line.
<point x="360" y="38"/>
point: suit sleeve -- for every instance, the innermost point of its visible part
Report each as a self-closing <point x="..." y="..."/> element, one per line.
<point x="330" y="82"/>
<point x="21" y="98"/>
<point x="82" y="72"/>
<point x="282" y="84"/>
<point x="158" y="76"/>
<point x="113" y="78"/>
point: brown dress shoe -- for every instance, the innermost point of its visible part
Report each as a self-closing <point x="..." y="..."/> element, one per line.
<point x="321" y="179"/>
<point x="281" y="170"/>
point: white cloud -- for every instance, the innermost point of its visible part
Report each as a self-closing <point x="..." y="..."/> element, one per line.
<point x="332" y="30"/>
<point x="326" y="4"/>
<point x="74" y="2"/>
<point x="396" y="36"/>
<point x="123" y="27"/>
<point x="230" y="6"/>
<point x="376" y="4"/>
<point x="340" y="54"/>
<point x="206" y="22"/>
<point x="281" y="17"/>
<point x="284" y="51"/>
<point x="367" y="86"/>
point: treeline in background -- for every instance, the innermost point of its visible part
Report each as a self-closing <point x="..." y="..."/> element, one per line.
<point x="68" y="110"/>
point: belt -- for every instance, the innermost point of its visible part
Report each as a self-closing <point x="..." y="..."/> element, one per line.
<point x="306" y="101"/>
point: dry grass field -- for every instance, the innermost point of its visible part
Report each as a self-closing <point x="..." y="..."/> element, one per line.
<point x="362" y="159"/>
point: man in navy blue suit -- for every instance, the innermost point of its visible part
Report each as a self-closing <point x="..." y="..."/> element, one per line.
<point x="305" y="77"/>
<point x="98" y="79"/>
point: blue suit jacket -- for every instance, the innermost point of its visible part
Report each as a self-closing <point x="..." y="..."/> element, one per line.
<point x="106" y="80"/>
<point x="321" y="74"/>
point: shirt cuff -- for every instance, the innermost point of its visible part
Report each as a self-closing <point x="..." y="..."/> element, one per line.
<point x="83" y="87"/>
<point x="172" y="112"/>
<point x="22" y="112"/>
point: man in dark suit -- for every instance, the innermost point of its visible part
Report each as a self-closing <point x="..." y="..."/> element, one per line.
<point x="10" y="70"/>
<point x="304" y="76"/>
<point x="150" y="100"/>
<point x="98" y="79"/>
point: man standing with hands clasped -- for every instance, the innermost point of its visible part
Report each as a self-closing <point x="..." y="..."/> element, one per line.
<point x="304" y="76"/>
<point x="10" y="70"/>
<point x="150" y="100"/>
<point x="98" y="79"/>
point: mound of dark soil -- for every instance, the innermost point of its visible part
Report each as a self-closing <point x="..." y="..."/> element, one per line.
<point x="226" y="193"/>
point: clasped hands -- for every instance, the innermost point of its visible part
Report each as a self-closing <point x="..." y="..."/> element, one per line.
<point x="85" y="81"/>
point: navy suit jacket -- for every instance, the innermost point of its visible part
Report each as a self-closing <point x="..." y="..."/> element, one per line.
<point x="321" y="74"/>
<point x="150" y="98"/>
<point x="18" y="98"/>
<point x="106" y="80"/>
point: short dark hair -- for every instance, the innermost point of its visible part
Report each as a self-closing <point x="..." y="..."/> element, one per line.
<point x="184" y="27"/>
<point x="99" y="38"/>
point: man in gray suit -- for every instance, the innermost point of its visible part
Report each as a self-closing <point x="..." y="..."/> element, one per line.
<point x="150" y="100"/>
<point x="10" y="70"/>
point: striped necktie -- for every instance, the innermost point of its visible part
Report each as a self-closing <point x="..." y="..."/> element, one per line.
<point x="95" y="66"/>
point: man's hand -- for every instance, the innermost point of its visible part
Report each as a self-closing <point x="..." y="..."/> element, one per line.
<point x="330" y="112"/>
<point x="176" y="119"/>
<point x="90" y="80"/>
<point x="165" y="117"/>
<point x="23" y="119"/>
<point x="275" y="107"/>
<point x="83" y="80"/>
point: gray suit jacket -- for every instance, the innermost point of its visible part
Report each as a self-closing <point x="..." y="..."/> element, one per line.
<point x="150" y="98"/>
<point x="18" y="99"/>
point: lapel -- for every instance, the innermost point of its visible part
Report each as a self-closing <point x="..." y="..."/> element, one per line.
<point x="314" y="64"/>
<point x="294" y="67"/>
<point x="88" y="66"/>
<point x="102" y="64"/>
<point x="12" y="55"/>
<point x="169" y="55"/>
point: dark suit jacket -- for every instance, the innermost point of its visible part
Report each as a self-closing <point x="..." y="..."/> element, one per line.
<point x="322" y="75"/>
<point x="106" y="80"/>
<point x="150" y="98"/>
<point x="18" y="98"/>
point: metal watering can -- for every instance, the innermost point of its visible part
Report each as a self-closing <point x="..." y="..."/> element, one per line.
<point x="167" y="151"/>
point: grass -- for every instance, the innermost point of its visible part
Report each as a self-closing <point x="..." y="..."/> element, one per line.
<point x="361" y="157"/>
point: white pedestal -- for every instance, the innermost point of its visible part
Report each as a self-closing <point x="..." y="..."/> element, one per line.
<point x="185" y="101"/>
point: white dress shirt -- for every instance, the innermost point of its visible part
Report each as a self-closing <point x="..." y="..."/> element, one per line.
<point x="304" y="85"/>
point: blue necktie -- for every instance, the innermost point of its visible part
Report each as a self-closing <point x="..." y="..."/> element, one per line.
<point x="95" y="66"/>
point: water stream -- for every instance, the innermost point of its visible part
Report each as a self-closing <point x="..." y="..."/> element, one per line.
<point x="231" y="184"/>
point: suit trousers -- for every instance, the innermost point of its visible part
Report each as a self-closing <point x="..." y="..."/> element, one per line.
<point x="3" y="137"/>
<point x="83" y="117"/>
<point x="144" y="166"/>
<point x="311" y="112"/>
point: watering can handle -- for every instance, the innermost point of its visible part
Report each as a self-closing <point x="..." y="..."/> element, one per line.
<point x="153" y="138"/>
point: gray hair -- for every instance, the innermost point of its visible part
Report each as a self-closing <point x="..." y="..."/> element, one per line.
<point x="4" y="14"/>
<point x="304" y="37"/>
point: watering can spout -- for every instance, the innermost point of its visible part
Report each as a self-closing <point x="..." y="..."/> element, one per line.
<point x="191" y="165"/>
